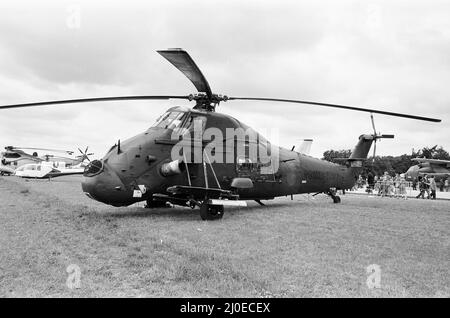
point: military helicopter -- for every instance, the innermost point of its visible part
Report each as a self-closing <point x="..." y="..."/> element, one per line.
<point x="200" y="158"/>
<point x="18" y="156"/>
<point x="431" y="167"/>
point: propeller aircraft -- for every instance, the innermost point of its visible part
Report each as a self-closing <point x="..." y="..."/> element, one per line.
<point x="198" y="157"/>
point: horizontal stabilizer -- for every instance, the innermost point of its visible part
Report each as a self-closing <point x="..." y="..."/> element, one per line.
<point x="350" y="159"/>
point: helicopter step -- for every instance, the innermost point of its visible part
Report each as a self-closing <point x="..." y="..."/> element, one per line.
<point x="227" y="202"/>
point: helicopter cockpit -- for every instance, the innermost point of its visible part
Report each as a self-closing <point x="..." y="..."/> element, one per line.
<point x="181" y="122"/>
<point x="170" y="120"/>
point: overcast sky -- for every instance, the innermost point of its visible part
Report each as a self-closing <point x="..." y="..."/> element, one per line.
<point x="391" y="55"/>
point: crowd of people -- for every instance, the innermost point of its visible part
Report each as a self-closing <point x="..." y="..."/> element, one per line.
<point x="396" y="186"/>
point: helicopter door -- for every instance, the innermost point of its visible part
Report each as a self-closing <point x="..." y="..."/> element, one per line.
<point x="192" y="129"/>
<point x="259" y="168"/>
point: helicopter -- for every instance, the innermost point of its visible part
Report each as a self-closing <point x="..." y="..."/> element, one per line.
<point x="17" y="156"/>
<point x="197" y="157"/>
<point x="431" y="167"/>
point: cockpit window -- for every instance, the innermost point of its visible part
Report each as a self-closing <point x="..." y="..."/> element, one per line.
<point x="170" y="120"/>
<point x="93" y="168"/>
<point x="194" y="126"/>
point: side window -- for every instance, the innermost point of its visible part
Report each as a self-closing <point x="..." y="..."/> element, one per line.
<point x="176" y="122"/>
<point x="245" y="165"/>
<point x="194" y="126"/>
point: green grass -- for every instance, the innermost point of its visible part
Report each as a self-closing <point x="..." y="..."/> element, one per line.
<point x="302" y="248"/>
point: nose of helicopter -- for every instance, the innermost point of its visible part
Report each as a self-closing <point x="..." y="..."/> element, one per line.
<point x="412" y="173"/>
<point x="101" y="183"/>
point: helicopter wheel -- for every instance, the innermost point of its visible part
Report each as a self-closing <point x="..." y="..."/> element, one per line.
<point x="211" y="212"/>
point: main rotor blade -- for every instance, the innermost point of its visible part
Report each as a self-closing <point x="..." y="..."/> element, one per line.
<point x="183" y="61"/>
<point x="368" y="110"/>
<point x="373" y="124"/>
<point x="92" y="100"/>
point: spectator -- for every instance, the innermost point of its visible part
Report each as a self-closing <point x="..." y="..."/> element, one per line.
<point x="421" y="182"/>
<point x="427" y="185"/>
<point x="441" y="185"/>
<point x="402" y="187"/>
<point x="433" y="188"/>
<point x="370" y="180"/>
<point x="397" y="185"/>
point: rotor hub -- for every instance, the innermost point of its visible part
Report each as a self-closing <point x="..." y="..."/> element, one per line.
<point x="205" y="102"/>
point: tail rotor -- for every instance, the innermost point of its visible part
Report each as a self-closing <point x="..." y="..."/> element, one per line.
<point x="376" y="136"/>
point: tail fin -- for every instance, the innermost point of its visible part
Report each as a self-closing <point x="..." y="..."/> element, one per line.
<point x="362" y="148"/>
<point x="305" y="146"/>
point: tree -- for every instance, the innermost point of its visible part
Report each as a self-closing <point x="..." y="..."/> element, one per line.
<point x="432" y="153"/>
<point x="331" y="155"/>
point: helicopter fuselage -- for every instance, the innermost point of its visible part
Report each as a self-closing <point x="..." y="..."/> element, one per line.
<point x="135" y="170"/>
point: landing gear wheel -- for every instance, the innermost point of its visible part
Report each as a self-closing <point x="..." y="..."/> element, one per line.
<point x="336" y="199"/>
<point x="211" y="212"/>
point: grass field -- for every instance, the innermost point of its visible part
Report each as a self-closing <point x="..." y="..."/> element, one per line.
<point x="307" y="247"/>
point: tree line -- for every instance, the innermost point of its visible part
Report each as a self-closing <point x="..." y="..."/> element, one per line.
<point x="391" y="164"/>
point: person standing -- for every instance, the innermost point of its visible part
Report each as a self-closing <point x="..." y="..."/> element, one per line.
<point x="384" y="184"/>
<point x="433" y="188"/>
<point x="402" y="187"/>
<point x="420" y="181"/>
<point x="370" y="181"/>
<point x="427" y="185"/>
<point x="397" y="185"/>
<point x="441" y="185"/>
